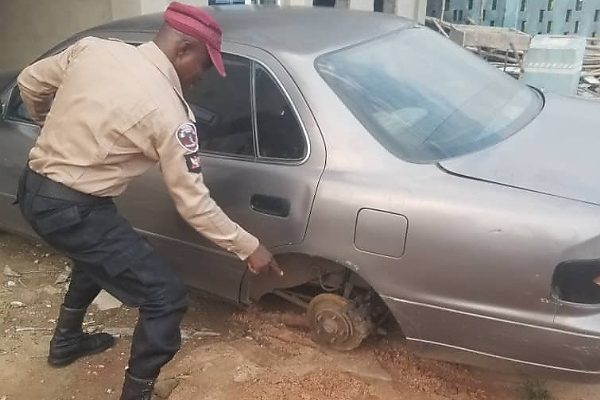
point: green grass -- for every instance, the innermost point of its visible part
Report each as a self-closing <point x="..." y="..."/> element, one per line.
<point x="534" y="390"/>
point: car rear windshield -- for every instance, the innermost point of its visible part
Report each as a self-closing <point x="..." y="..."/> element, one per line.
<point x="425" y="98"/>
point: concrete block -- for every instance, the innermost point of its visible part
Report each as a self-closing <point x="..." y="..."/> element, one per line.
<point x="104" y="301"/>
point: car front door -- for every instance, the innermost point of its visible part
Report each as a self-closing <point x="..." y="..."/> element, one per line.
<point x="17" y="136"/>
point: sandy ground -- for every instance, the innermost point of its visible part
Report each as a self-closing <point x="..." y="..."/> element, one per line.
<point x="258" y="354"/>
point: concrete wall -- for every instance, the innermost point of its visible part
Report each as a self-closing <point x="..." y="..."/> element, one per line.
<point x="130" y="8"/>
<point x="30" y="27"/>
<point x="301" y="3"/>
<point x="414" y="9"/>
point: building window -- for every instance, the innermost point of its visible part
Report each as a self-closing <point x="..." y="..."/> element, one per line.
<point x="593" y="34"/>
<point x="494" y="4"/>
<point x="470" y="4"/>
<point x="576" y="30"/>
<point x="455" y="15"/>
<point x="492" y="23"/>
<point x="523" y="26"/>
<point x="569" y="14"/>
<point x="579" y="5"/>
<point x="549" y="27"/>
<point x="484" y="14"/>
<point x="550" y="5"/>
<point x="597" y="16"/>
<point x="541" y="15"/>
<point x="321" y="3"/>
<point x="447" y="5"/>
<point x="523" y="4"/>
<point x="460" y="15"/>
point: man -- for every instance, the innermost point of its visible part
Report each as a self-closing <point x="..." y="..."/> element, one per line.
<point x="109" y="112"/>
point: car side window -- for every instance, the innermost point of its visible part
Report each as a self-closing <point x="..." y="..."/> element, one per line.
<point x="223" y="109"/>
<point x="279" y="134"/>
<point x="16" y="108"/>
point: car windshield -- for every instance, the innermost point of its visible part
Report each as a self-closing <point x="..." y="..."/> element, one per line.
<point x="425" y="98"/>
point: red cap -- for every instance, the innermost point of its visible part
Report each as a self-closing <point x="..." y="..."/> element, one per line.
<point x="200" y="25"/>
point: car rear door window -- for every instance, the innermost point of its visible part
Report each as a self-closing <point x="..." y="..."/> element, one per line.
<point x="246" y="114"/>
<point x="279" y="134"/>
<point x="223" y="109"/>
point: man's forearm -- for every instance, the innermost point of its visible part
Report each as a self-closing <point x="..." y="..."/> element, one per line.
<point x="39" y="82"/>
<point x="37" y="105"/>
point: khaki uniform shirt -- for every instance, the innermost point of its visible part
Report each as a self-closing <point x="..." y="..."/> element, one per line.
<point x="117" y="110"/>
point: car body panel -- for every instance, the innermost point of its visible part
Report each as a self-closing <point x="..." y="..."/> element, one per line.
<point x="554" y="154"/>
<point x="283" y="31"/>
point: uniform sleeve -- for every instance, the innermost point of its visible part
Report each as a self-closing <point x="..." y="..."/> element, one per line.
<point x="39" y="82"/>
<point x="181" y="169"/>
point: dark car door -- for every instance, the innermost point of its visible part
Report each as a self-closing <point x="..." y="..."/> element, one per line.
<point x="17" y="136"/>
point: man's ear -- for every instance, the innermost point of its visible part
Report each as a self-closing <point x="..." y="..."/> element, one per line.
<point x="183" y="48"/>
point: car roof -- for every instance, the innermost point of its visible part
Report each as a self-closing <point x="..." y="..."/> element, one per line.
<point x="283" y="29"/>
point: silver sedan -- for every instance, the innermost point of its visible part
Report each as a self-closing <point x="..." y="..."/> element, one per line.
<point x="393" y="173"/>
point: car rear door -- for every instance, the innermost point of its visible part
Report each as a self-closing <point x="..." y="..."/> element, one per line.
<point x="262" y="156"/>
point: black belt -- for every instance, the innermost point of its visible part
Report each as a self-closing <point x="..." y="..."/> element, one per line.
<point x="42" y="186"/>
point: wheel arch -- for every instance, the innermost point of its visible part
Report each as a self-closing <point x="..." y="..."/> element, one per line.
<point x="309" y="281"/>
<point x="299" y="269"/>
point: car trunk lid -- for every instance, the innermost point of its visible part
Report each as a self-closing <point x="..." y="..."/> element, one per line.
<point x="556" y="154"/>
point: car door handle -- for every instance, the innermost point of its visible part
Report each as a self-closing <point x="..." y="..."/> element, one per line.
<point x="270" y="205"/>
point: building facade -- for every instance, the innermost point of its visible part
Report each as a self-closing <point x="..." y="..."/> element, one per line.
<point x="557" y="17"/>
<point x="30" y="27"/>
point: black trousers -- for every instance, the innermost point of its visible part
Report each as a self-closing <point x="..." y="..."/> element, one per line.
<point x="109" y="254"/>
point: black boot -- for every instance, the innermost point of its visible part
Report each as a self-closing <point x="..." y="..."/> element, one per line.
<point x="136" y="388"/>
<point x="69" y="342"/>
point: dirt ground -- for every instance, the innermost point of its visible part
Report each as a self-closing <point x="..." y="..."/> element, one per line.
<point x="258" y="354"/>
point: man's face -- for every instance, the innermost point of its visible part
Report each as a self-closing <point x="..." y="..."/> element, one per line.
<point x="191" y="63"/>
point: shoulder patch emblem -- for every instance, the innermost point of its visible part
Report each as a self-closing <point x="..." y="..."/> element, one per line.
<point x="192" y="161"/>
<point x="187" y="137"/>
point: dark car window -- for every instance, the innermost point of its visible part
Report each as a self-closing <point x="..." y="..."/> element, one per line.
<point x="279" y="133"/>
<point x="426" y="99"/>
<point x="223" y="109"/>
<point x="16" y="108"/>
